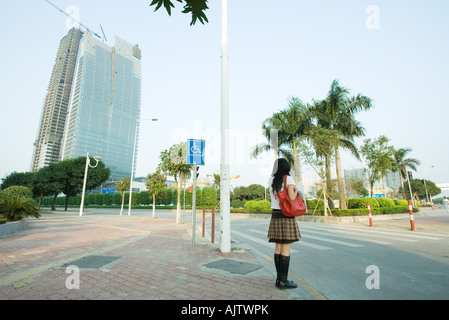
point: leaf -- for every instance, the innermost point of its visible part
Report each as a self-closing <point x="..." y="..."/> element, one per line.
<point x="167" y="4"/>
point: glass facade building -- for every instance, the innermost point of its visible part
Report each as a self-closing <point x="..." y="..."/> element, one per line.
<point x="104" y="104"/>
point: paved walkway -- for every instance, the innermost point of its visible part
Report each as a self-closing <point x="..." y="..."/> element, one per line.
<point x="129" y="257"/>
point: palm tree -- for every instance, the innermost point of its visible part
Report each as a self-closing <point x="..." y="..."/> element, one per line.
<point x="14" y="207"/>
<point x="292" y="125"/>
<point x="336" y="112"/>
<point x="401" y="164"/>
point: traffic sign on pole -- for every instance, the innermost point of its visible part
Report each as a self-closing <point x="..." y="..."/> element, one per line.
<point x="195" y="152"/>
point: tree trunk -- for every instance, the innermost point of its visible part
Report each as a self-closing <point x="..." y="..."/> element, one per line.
<point x="123" y="200"/>
<point x="341" y="185"/>
<point x="297" y="165"/>
<point x="401" y="180"/>
<point x="53" y="203"/>
<point x="178" y="205"/>
<point x="329" y="181"/>
<point x="67" y="198"/>
<point x="154" y="205"/>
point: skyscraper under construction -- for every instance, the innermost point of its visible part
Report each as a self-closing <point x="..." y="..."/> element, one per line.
<point x="101" y="109"/>
<point x="51" y="129"/>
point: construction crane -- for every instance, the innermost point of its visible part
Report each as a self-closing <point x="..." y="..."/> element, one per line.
<point x="86" y="28"/>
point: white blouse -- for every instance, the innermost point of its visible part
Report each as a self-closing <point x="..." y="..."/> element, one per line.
<point x="274" y="201"/>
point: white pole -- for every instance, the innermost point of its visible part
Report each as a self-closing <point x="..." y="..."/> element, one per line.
<point x="194" y="206"/>
<point x="132" y="170"/>
<point x="84" y="185"/>
<point x="225" y="223"/>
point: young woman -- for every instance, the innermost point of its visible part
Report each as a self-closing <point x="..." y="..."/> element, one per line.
<point x="283" y="230"/>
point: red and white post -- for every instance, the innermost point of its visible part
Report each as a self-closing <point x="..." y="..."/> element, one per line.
<point x="369" y="214"/>
<point x="410" y="211"/>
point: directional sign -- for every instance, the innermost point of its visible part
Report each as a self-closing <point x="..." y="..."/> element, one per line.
<point x="195" y="152"/>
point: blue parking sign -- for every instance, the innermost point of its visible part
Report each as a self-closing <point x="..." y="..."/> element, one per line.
<point x="195" y="151"/>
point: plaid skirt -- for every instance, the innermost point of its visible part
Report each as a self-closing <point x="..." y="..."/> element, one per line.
<point x="283" y="229"/>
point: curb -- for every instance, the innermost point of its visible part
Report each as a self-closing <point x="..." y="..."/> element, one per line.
<point x="11" y="227"/>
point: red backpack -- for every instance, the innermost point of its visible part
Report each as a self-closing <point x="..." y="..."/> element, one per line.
<point x="290" y="208"/>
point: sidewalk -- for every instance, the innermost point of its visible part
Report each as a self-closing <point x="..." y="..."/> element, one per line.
<point x="129" y="257"/>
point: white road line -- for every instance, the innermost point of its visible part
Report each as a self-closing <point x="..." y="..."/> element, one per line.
<point x="394" y="233"/>
<point x="300" y="242"/>
<point x="367" y="234"/>
<point x="343" y="243"/>
<point x="350" y="238"/>
<point x="311" y="245"/>
<point x="257" y="240"/>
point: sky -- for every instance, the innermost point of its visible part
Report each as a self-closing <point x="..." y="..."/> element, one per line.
<point x="393" y="51"/>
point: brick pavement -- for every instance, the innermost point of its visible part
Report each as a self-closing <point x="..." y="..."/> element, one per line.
<point x="154" y="260"/>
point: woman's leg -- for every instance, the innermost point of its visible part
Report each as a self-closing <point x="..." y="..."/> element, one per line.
<point x="285" y="249"/>
<point x="278" y="248"/>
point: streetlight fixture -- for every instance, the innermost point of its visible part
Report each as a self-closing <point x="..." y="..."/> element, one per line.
<point x="132" y="165"/>
<point x="97" y="159"/>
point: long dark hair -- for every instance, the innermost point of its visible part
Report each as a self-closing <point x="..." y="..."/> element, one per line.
<point x="280" y="169"/>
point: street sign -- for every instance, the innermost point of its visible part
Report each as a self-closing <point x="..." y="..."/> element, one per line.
<point x="195" y="152"/>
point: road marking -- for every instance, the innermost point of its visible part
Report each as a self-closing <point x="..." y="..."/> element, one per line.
<point x="301" y="242"/>
<point x="257" y="240"/>
<point x="312" y="245"/>
<point x="350" y="238"/>
<point x="383" y="231"/>
<point x="367" y="234"/>
<point x="343" y="243"/>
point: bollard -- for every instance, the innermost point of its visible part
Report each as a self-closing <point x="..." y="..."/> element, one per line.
<point x="204" y="219"/>
<point x="212" y="237"/>
<point x="369" y="214"/>
<point x="410" y="211"/>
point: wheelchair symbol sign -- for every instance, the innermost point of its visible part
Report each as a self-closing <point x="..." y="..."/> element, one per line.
<point x="195" y="151"/>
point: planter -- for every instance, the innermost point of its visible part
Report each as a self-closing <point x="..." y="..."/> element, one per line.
<point x="12" y="227"/>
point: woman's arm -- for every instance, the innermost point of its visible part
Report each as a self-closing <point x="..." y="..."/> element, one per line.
<point x="292" y="192"/>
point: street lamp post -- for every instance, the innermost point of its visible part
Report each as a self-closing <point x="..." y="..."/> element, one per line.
<point x="96" y="158"/>
<point x="132" y="165"/>
<point x="225" y="219"/>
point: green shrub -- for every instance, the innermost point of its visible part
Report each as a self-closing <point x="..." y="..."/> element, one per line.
<point x="311" y="204"/>
<point x="263" y="205"/>
<point x="386" y="202"/>
<point x="356" y="203"/>
<point x="19" y="191"/>
<point x="236" y="203"/>
<point x="250" y="205"/>
<point x="15" y="207"/>
<point x="401" y="202"/>
<point x="254" y="205"/>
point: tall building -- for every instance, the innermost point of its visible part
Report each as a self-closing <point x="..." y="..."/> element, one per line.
<point x="104" y="104"/>
<point x="47" y="145"/>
